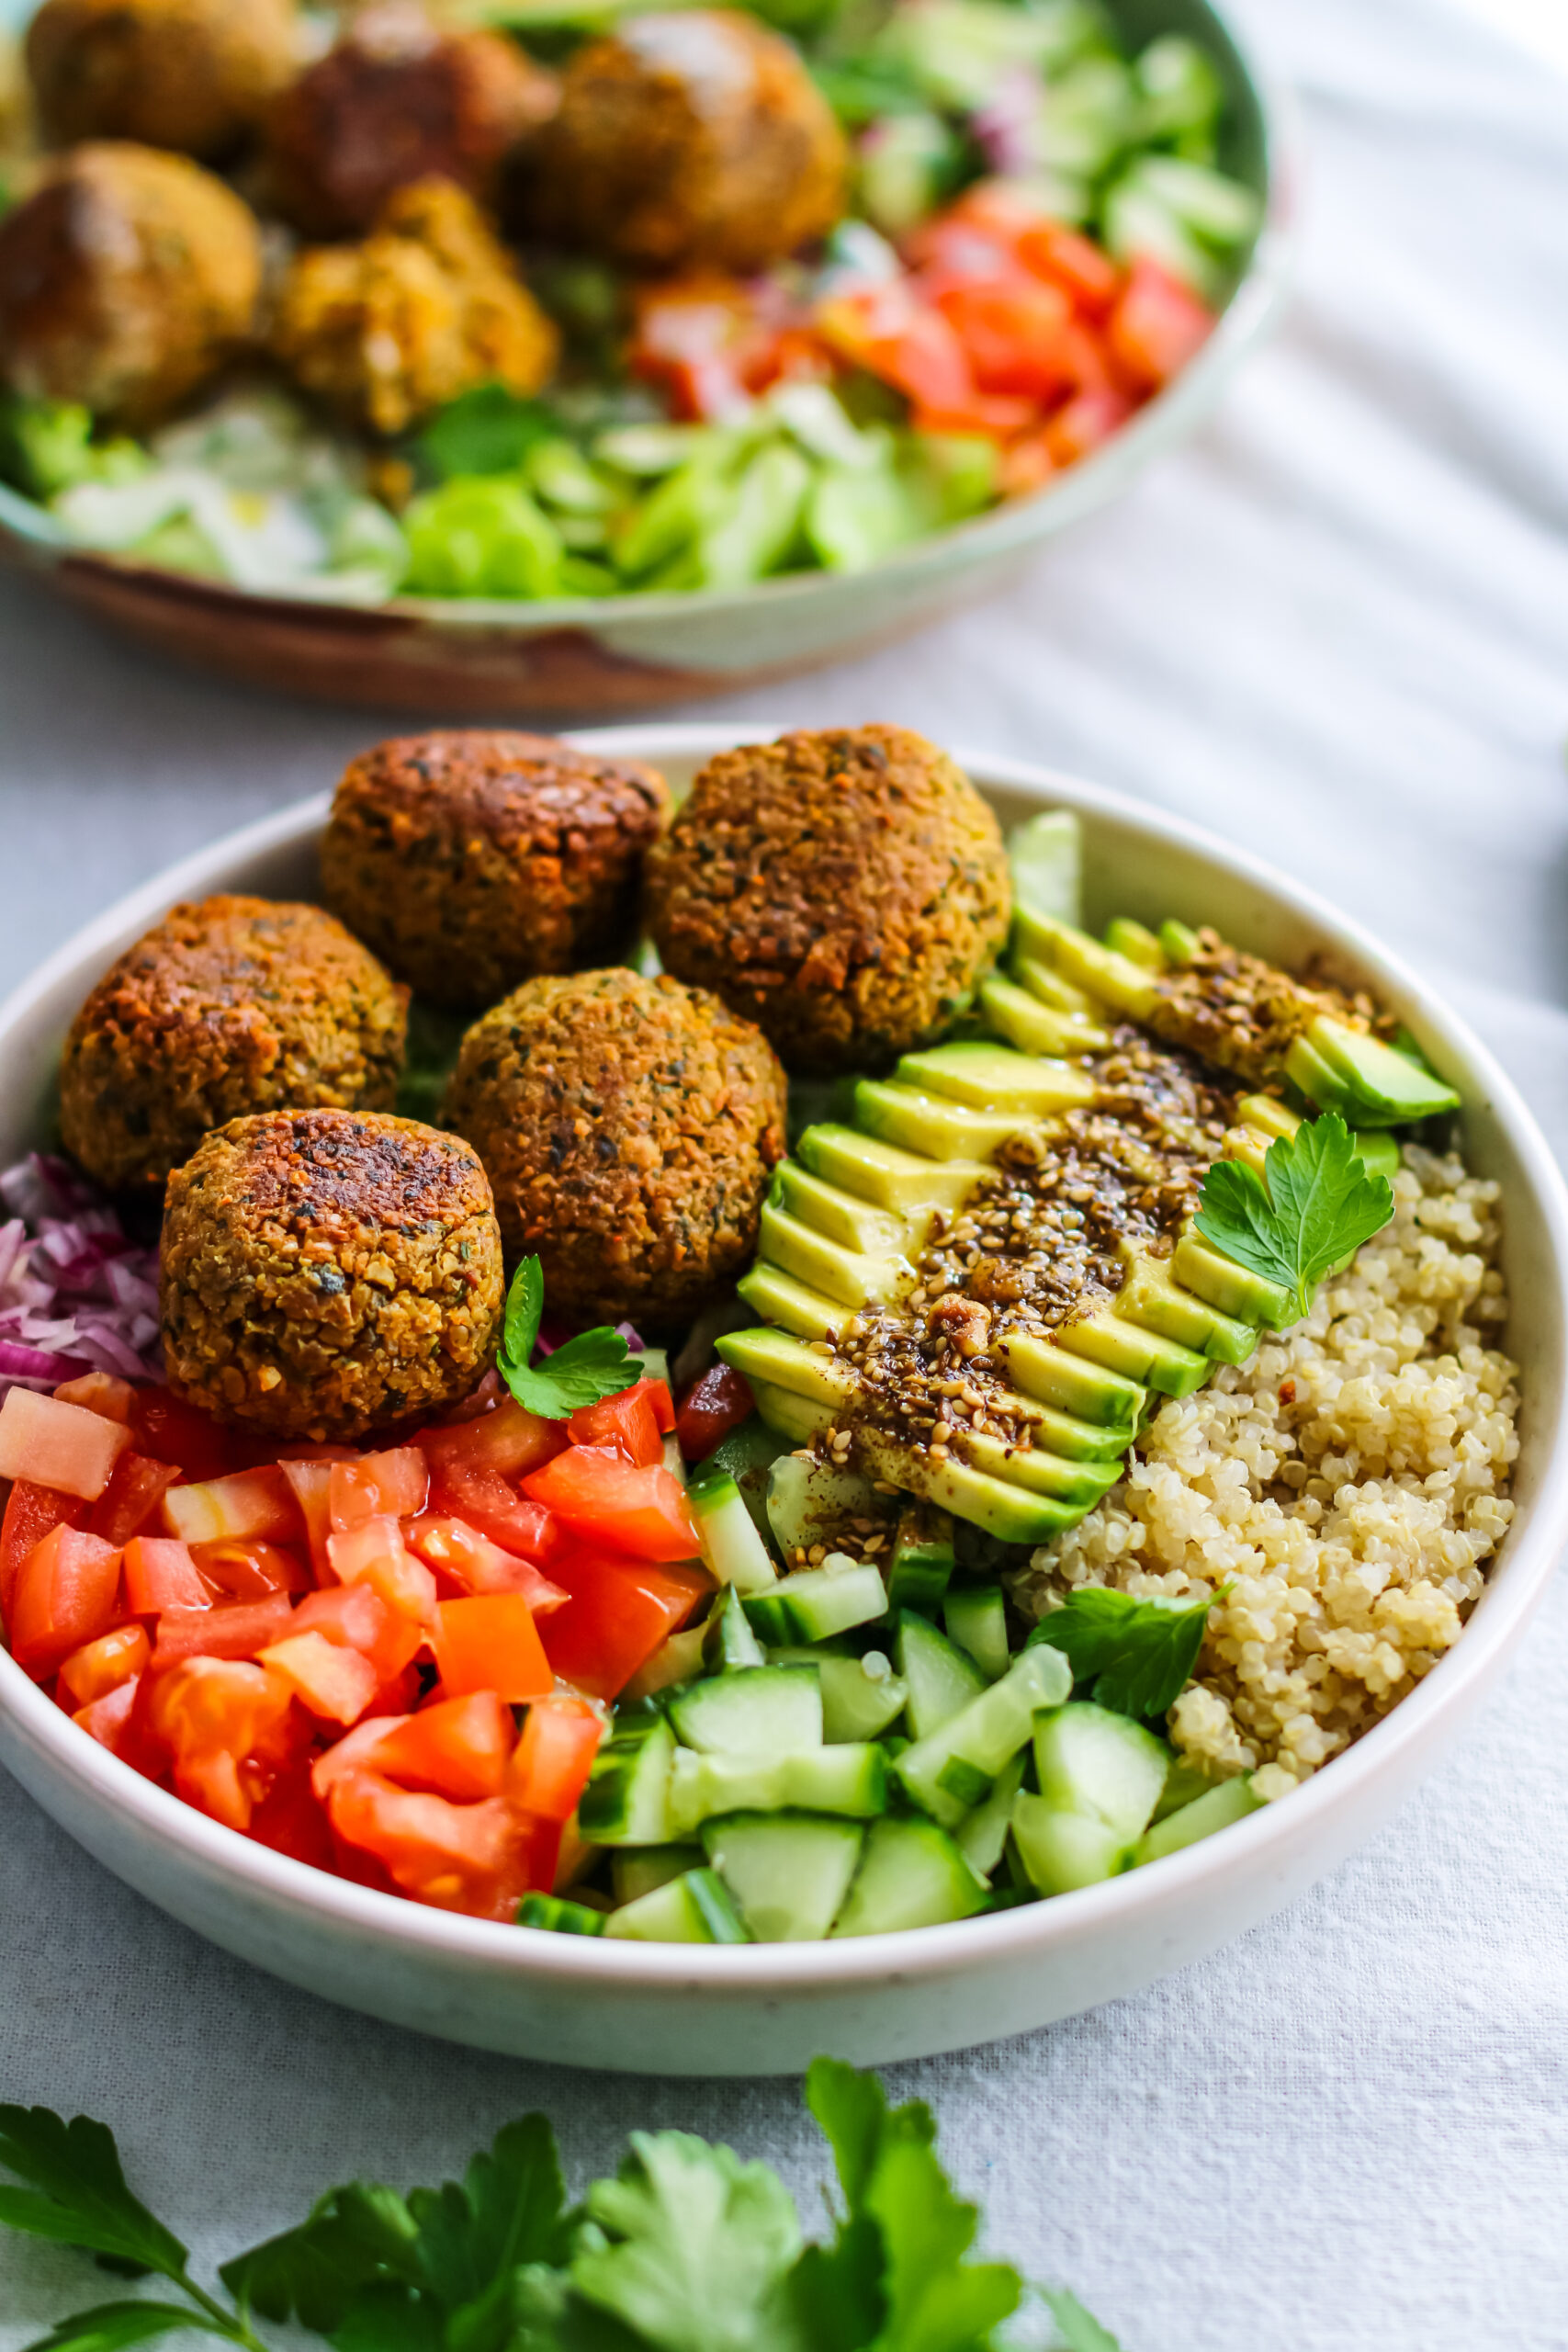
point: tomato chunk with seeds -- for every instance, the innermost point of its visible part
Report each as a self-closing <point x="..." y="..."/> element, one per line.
<point x="250" y="1569"/>
<point x="374" y="1552"/>
<point x="225" y="1724"/>
<point x="628" y="1506"/>
<point x="468" y="1857"/>
<point x="378" y="1486"/>
<point x="100" y="1666"/>
<point x="327" y="1677"/>
<point x="66" y="1594"/>
<point x="357" y="1616"/>
<point x="31" y="1513"/>
<point x="491" y="1644"/>
<point x="472" y="1562"/>
<point x="619" y="1612"/>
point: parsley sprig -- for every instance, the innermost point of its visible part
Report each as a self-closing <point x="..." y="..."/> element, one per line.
<point x="1314" y="1205"/>
<point x="594" y="1365"/>
<point x="687" y="2249"/>
<point x="1138" y="1653"/>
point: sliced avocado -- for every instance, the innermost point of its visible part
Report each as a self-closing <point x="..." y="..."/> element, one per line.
<point x="1046" y="856"/>
<point x="1136" y="942"/>
<point x="1159" y="1364"/>
<point x="1154" y="1299"/>
<point x="906" y="1182"/>
<point x="925" y="1123"/>
<point x="1378" y="1151"/>
<point x="1385" y="1088"/>
<point x="1033" y="1027"/>
<point x="811" y="1257"/>
<point x="799" y="1419"/>
<point x="765" y="1354"/>
<point x="769" y="1291"/>
<point x="1115" y="979"/>
<point x="1210" y="1275"/>
<point x="1068" y="1435"/>
<point x="1091" y="1391"/>
<point x="1179" y="940"/>
<point x="1041" y="1472"/>
<point x="853" y="1224"/>
<point x="987" y="1076"/>
<point x="1009" y="1512"/>
<point x="1306" y="1069"/>
<point x="1052" y="989"/>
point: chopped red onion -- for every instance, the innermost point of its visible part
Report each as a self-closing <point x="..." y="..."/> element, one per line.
<point x="77" y="1295"/>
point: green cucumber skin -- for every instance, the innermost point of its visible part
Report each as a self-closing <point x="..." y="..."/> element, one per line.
<point x="976" y="1618"/>
<point x="626" y="1800"/>
<point x="911" y="1875"/>
<point x="695" y="1908"/>
<point x="816" y="1603"/>
<point x="560" y="1916"/>
<point x="789" y="1872"/>
<point x="1231" y="1802"/>
<point x="984" y="1735"/>
<point x="639" y="1870"/>
<point x="750" y="1710"/>
<point x="1089" y="1760"/>
<point x="849" y="1779"/>
<point x="939" y="1677"/>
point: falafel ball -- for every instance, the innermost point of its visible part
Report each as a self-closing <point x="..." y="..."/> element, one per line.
<point x="688" y="141"/>
<point x="126" y="280"/>
<point x="326" y="1272"/>
<point x="393" y="101"/>
<point x="844" y="889"/>
<point x="385" y="332"/>
<point x="192" y="74"/>
<point x="470" y="861"/>
<point x="629" y="1128"/>
<point x="227" y="1006"/>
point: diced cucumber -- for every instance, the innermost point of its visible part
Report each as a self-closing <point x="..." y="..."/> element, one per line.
<point x="636" y="1870"/>
<point x="975" y="1618"/>
<point x="817" y="1602"/>
<point x="674" y="1461"/>
<point x="752" y="1711"/>
<point x="940" y="1678"/>
<point x="922" y="1559"/>
<point x="1232" y="1801"/>
<point x="1062" y="1851"/>
<point x="911" y="1875"/>
<point x="732" y="1548"/>
<point x="697" y="1908"/>
<point x="847" y="1779"/>
<point x="626" y="1800"/>
<point x="952" y="1768"/>
<point x="1088" y="1760"/>
<point x="860" y="1696"/>
<point x="1183" y="1784"/>
<point x="727" y="1638"/>
<point x="789" y="1872"/>
<point x="982" y="1835"/>
<point x="561" y="1918"/>
<point x="806" y="1499"/>
<point x="747" y="1455"/>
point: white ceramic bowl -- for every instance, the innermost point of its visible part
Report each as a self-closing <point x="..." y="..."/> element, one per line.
<point x="767" y="2008"/>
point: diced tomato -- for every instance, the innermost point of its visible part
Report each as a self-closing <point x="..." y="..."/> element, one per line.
<point x="169" y="1429"/>
<point x="135" y="1487"/>
<point x="483" y="1498"/>
<point x="508" y="1441"/>
<point x="468" y="1857"/>
<point x="249" y="1570"/>
<point x="457" y="1747"/>
<point x="310" y="1483"/>
<point x="359" y="1619"/>
<point x="471" y="1562"/>
<point x="708" y="341"/>
<point x="1155" y="328"/>
<point x="250" y="1502"/>
<point x="374" y="1552"/>
<point x="66" y="1594"/>
<point x="291" y="1819"/>
<point x="109" y="1719"/>
<point x="549" y="1771"/>
<point x="31" y="1513"/>
<point x="100" y="1392"/>
<point x="491" y="1644"/>
<point x="358" y="1751"/>
<point x="1083" y="423"/>
<point x="53" y="1444"/>
<point x="231" y="1630"/>
<point x="715" y="1404"/>
<point x="1013" y="335"/>
<point x="619" y="1612"/>
<point x="378" y="1486"/>
<point x="1025" y="465"/>
<point x="1069" y="260"/>
<point x="625" y="1506"/>
<point x="100" y="1666"/>
<point x="629" y="1423"/>
<point x="160" y="1574"/>
<point x="330" y="1679"/>
<point x="225" y="1727"/>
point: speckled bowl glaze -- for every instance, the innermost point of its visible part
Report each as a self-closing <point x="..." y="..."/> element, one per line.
<point x="613" y="656"/>
<point x="766" y="2009"/>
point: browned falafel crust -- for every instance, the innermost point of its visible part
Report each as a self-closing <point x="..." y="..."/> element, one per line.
<point x="470" y="861"/>
<point x="842" y="888"/>
<point x="326" y="1272"/>
<point x="192" y="74"/>
<point x="228" y="1005"/>
<point x="693" y="140"/>
<point x="629" y="1128"/>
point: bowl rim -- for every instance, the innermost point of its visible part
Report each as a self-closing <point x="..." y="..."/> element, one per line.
<point x="909" y="1954"/>
<point x="1250" y="313"/>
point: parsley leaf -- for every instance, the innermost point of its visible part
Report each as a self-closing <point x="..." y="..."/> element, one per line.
<point x="351" y="2239"/>
<point x="487" y="430"/>
<point x="1077" y="2330"/>
<point x="1316" y="1207"/>
<point x="110" y="2325"/>
<point x="596" y="1363"/>
<point x="510" y="2211"/>
<point x="1139" y="1653"/>
<point x="79" y="2196"/>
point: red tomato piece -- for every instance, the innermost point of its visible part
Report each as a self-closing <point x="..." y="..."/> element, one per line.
<point x="474" y="1565"/>
<point x="358" y="1617"/>
<point x="1025" y="466"/>
<point x="250" y="1570"/>
<point x="330" y="1679"/>
<point x="290" y="1820"/>
<point x="1070" y="261"/>
<point x="1085" y="422"/>
<point x="484" y="1500"/>
<point x="1155" y="328"/>
<point x="109" y="1719"/>
<point x="31" y="1513"/>
<point x="629" y="1507"/>
<point x="53" y="1444"/>
<point x="456" y="1747"/>
<point x="627" y="1423"/>
<point x="508" y="1441"/>
<point x="468" y="1857"/>
<point x="1012" y="333"/>
<point x="160" y="1574"/>
<point x="374" y="1552"/>
<point x="135" y="1487"/>
<point x="356" y="1752"/>
<point x="168" y="1429"/>
<point x="491" y="1644"/>
<point x="225" y="1727"/>
<point x="550" y="1769"/>
<point x="308" y="1482"/>
<point x="716" y="1403"/>
<point x="392" y="1484"/>
<point x="619" y="1612"/>
<point x="100" y="1666"/>
<point x="250" y="1502"/>
<point x="66" y="1594"/>
<point x="232" y="1630"/>
<point x="100" y="1392"/>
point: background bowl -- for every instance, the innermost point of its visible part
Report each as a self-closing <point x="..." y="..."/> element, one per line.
<point x="616" y="655"/>
<point x="767" y="2008"/>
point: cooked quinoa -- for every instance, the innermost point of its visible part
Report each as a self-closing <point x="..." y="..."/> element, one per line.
<point x="1349" y="1484"/>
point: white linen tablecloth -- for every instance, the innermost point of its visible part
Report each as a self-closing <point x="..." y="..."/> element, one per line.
<point x="1335" y="629"/>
